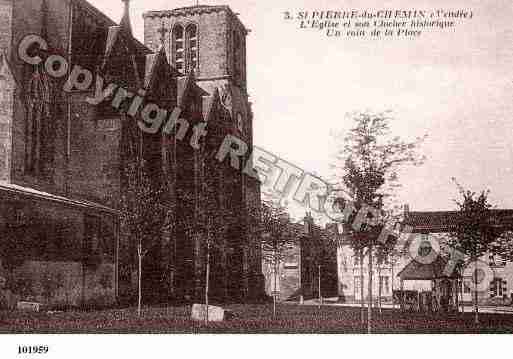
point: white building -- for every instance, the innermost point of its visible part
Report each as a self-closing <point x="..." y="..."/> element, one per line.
<point x="429" y="230"/>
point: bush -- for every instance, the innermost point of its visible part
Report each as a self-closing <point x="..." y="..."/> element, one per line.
<point x="22" y="285"/>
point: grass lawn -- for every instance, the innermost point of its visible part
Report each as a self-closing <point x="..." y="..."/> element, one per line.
<point x="250" y="319"/>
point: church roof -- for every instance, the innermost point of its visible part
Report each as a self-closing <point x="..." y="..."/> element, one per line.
<point x="123" y="32"/>
<point x="124" y="28"/>
<point x="34" y="193"/>
<point x="209" y="103"/>
<point x="185" y="84"/>
<point x="107" y="21"/>
<point x="112" y="36"/>
<point x="115" y="33"/>
<point x="153" y="62"/>
<point x="149" y="69"/>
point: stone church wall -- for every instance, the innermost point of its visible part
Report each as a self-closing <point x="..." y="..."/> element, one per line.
<point x="28" y="19"/>
<point x="95" y="162"/>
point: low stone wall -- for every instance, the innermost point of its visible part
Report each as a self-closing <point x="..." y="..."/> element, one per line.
<point x="61" y="284"/>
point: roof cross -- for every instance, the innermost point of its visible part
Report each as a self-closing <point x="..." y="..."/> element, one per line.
<point x="162" y="31"/>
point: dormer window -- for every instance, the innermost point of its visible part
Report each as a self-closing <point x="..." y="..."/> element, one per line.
<point x="179" y="48"/>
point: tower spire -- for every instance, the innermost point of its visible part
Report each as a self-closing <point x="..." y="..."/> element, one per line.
<point x="125" y="20"/>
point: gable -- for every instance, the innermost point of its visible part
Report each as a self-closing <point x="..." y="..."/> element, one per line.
<point x="7" y="78"/>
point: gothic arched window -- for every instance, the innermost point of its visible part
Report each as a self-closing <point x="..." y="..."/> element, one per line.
<point x="237" y="57"/>
<point x="38" y="126"/>
<point x="178" y="48"/>
<point x="192" y="46"/>
<point x="240" y="122"/>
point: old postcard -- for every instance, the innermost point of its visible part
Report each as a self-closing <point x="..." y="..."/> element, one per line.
<point x="244" y="167"/>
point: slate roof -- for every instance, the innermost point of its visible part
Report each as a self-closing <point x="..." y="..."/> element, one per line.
<point x="185" y="84"/>
<point x="34" y="193"/>
<point x="153" y="62"/>
<point x="112" y="36"/>
<point x="443" y="221"/>
<point x="209" y="103"/>
<point x="87" y="6"/>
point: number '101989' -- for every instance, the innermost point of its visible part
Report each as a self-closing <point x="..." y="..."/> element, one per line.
<point x="32" y="349"/>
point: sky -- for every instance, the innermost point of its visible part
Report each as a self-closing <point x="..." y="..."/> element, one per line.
<point x="455" y="85"/>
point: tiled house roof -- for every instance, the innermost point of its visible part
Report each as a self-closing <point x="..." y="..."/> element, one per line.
<point x="420" y="271"/>
<point x="443" y="221"/>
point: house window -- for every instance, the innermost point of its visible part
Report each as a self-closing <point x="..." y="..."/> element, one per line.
<point x="466" y="288"/>
<point x="290" y="266"/>
<point x="357" y="284"/>
<point x="275" y="281"/>
<point x="356" y="259"/>
<point x="498" y="287"/>
<point x="179" y="48"/>
<point x="384" y="285"/>
<point x="496" y="261"/>
<point x="192" y="47"/>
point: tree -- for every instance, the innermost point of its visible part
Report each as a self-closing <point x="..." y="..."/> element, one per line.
<point x="474" y="234"/>
<point x="142" y="214"/>
<point x="325" y="242"/>
<point x="367" y="164"/>
<point x="207" y="271"/>
<point x="211" y="242"/>
<point x="277" y="238"/>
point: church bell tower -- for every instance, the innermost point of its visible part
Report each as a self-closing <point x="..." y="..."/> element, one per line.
<point x="211" y="41"/>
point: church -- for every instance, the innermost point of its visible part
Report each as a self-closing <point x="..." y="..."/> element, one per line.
<point x="64" y="237"/>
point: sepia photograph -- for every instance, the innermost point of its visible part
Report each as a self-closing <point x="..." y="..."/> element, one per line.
<point x="186" y="167"/>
